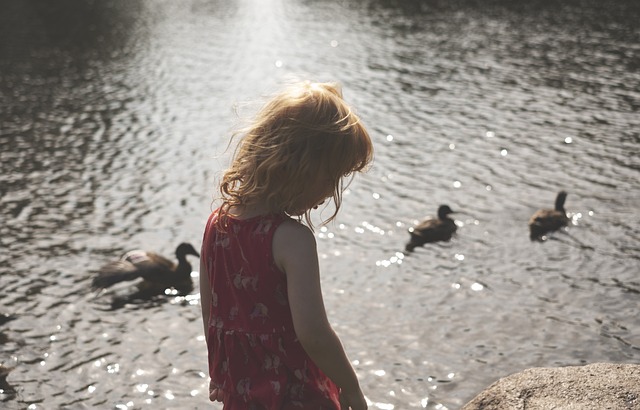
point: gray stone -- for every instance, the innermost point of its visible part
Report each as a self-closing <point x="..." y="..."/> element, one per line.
<point x="592" y="387"/>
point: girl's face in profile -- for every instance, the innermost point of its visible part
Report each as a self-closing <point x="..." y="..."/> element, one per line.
<point x="318" y="190"/>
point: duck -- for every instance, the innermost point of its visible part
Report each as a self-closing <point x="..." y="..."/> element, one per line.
<point x="437" y="229"/>
<point x="544" y="221"/>
<point x="158" y="273"/>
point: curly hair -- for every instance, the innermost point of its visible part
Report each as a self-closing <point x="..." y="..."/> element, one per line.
<point x="306" y="131"/>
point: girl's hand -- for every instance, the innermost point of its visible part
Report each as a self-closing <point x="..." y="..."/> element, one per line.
<point x="353" y="400"/>
<point x="215" y="394"/>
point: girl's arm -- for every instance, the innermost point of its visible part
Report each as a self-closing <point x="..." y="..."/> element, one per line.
<point x="205" y="295"/>
<point x="294" y="251"/>
<point x="205" y="303"/>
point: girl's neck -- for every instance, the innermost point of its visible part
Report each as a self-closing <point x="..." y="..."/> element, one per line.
<point x="246" y="212"/>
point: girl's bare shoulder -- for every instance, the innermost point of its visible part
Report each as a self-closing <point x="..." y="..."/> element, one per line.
<point x="292" y="231"/>
<point x="290" y="240"/>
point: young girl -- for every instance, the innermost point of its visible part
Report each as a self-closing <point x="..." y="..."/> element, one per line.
<point x="269" y="341"/>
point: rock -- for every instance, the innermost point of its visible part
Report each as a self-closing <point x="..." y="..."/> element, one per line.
<point x="597" y="386"/>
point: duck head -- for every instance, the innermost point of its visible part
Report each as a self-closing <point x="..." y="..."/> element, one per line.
<point x="562" y="196"/>
<point x="186" y="249"/>
<point x="443" y="211"/>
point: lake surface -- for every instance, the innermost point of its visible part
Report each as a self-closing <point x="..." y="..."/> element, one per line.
<point x="115" y="118"/>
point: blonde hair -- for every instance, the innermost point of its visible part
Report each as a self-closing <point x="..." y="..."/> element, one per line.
<point x="303" y="132"/>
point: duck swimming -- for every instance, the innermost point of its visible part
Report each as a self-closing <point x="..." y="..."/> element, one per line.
<point x="432" y="229"/>
<point x="158" y="273"/>
<point x="548" y="220"/>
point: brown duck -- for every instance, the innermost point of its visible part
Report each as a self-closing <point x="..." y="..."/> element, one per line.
<point x="437" y="229"/>
<point x="158" y="273"/>
<point x="548" y="220"/>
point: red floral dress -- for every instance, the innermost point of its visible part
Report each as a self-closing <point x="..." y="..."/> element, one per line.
<point x="254" y="354"/>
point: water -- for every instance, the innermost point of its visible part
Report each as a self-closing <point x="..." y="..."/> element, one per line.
<point x="114" y="119"/>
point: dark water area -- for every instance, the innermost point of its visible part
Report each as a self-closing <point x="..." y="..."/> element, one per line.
<point x="114" y="125"/>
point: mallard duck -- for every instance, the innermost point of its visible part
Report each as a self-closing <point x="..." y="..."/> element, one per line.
<point x="437" y="229"/>
<point x="158" y="273"/>
<point x="548" y="220"/>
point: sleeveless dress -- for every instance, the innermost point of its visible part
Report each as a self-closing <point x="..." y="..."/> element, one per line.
<point x="255" y="357"/>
